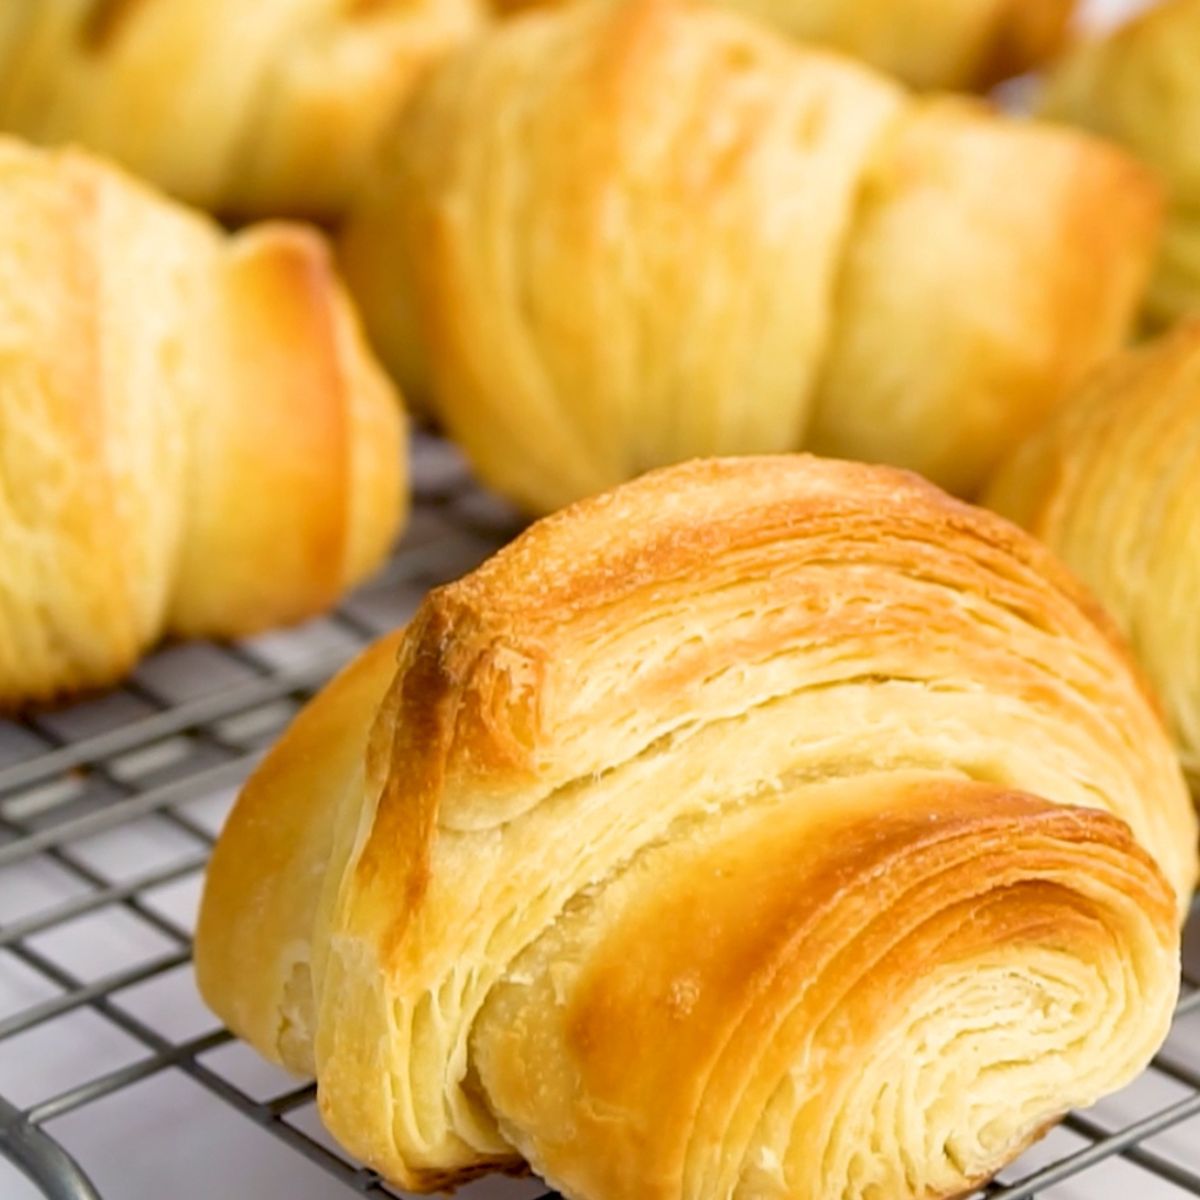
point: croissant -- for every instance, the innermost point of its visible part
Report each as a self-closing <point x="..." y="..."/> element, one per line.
<point x="613" y="236"/>
<point x="1140" y="85"/>
<point x="193" y="438"/>
<point x="759" y="828"/>
<point x="946" y="44"/>
<point x="1112" y="482"/>
<point x="244" y="107"/>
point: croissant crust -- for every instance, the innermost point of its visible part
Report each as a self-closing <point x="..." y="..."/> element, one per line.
<point x="759" y="828"/>
<point x="613" y="236"/>
<point x="194" y="439"/>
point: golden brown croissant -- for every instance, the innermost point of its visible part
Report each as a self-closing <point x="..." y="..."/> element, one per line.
<point x="1112" y="482"/>
<point x="614" y="236"/>
<point x="693" y="847"/>
<point x="930" y="43"/>
<point x="248" y="107"/>
<point x="1141" y="86"/>
<point x="193" y="437"/>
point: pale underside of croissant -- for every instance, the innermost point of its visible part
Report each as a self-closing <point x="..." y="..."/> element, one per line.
<point x="248" y="107"/>
<point x="929" y="44"/>
<point x="1140" y="85"/>
<point x="1112" y="483"/>
<point x="613" y="236"/>
<point x="717" y="838"/>
<point x="193" y="437"/>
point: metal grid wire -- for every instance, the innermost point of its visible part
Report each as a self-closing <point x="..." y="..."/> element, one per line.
<point x="108" y="810"/>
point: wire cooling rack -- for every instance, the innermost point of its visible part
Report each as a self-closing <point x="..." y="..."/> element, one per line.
<point x="116" y="1083"/>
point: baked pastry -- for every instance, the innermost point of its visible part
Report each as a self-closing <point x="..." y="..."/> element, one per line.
<point x="193" y="437"/>
<point x="1141" y="86"/>
<point x="935" y="44"/>
<point x="608" y="237"/>
<point x="1112" y="482"/>
<point x="943" y="44"/>
<point x="706" y="842"/>
<point x="247" y="108"/>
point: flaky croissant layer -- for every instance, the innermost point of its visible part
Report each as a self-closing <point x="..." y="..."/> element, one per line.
<point x="1112" y="484"/>
<point x="194" y="439"/>
<point x="624" y="233"/>
<point x="761" y="828"/>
